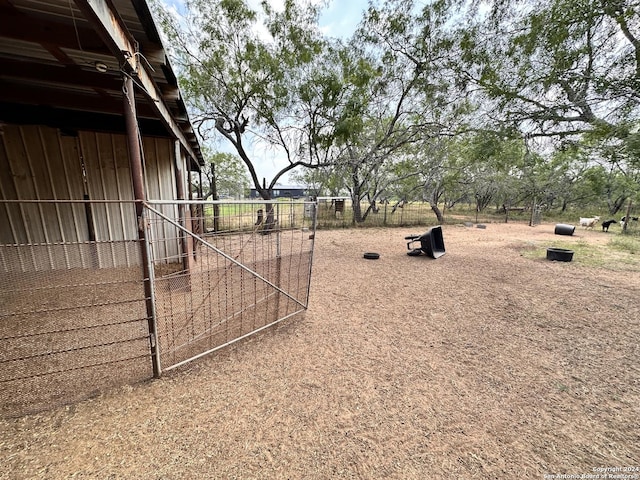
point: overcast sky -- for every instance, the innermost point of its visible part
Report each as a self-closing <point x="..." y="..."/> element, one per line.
<point x="342" y="17"/>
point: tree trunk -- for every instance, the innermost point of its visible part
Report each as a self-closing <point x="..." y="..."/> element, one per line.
<point x="437" y="211"/>
<point x="355" y="197"/>
<point x="436" y="194"/>
<point x="618" y="203"/>
<point x="270" y="220"/>
<point x="357" y="210"/>
<point x="214" y="195"/>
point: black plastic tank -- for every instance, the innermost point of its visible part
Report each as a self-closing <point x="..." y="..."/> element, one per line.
<point x="564" y="229"/>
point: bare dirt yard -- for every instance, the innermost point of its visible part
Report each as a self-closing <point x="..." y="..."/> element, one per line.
<point x="489" y="362"/>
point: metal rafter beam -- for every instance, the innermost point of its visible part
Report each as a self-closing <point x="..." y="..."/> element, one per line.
<point x="58" y="117"/>
<point x="52" y="97"/>
<point x="62" y="75"/>
<point x="114" y="33"/>
<point x="16" y="25"/>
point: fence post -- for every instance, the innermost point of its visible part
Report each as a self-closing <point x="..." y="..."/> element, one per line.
<point x="627" y="218"/>
<point x="135" y="160"/>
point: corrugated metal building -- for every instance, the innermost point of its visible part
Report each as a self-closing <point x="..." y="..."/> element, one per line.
<point x="81" y="84"/>
<point x="92" y="125"/>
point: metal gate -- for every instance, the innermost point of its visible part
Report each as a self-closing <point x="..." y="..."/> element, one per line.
<point x="244" y="272"/>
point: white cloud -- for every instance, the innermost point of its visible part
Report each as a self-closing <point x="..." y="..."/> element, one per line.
<point x="341" y="18"/>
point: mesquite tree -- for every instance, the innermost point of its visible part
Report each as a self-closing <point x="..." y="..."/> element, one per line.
<point x="246" y="73"/>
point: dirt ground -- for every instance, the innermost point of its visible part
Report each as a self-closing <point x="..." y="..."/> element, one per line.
<point x="484" y="363"/>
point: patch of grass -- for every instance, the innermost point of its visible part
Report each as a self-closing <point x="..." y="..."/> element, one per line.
<point x="584" y="253"/>
<point x="627" y="244"/>
<point x="621" y="253"/>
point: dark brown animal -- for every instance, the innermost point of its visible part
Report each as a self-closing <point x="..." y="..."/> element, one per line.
<point x="607" y="224"/>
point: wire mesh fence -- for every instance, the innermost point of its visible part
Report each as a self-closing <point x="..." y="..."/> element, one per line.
<point x="338" y="212"/>
<point x="78" y="317"/>
<point x="71" y="315"/>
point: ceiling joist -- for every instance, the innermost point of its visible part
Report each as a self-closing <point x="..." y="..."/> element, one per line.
<point x="115" y="35"/>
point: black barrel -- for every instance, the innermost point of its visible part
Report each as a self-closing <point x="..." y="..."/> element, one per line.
<point x="564" y="229"/>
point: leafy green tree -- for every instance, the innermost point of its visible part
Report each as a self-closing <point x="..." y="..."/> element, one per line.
<point x="226" y="176"/>
<point x="489" y="166"/>
<point x="400" y="102"/>
<point x="558" y="68"/>
<point x="611" y="186"/>
<point x="243" y="71"/>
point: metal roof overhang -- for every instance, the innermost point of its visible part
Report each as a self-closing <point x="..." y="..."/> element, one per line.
<point x="53" y="56"/>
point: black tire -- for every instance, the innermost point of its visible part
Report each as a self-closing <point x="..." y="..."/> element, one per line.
<point x="415" y="252"/>
<point x="371" y="256"/>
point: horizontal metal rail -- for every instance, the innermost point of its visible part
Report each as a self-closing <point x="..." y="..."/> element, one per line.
<point x="223" y="254"/>
<point x="231" y="342"/>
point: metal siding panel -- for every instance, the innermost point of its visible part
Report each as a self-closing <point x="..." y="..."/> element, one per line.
<point x="185" y="175"/>
<point x="125" y="187"/>
<point x="72" y="184"/>
<point x="155" y="183"/>
<point x="169" y="190"/>
<point x="23" y="184"/>
<point x="119" y="218"/>
<point x="151" y="172"/>
<point x="38" y="153"/>
<point x="13" y="230"/>
<point x="161" y="186"/>
<point x="109" y="164"/>
<point x="76" y="229"/>
<point x="47" y="167"/>
<point x="90" y="153"/>
<point x="150" y="168"/>
<point x="108" y="170"/>
<point x="36" y="158"/>
<point x="110" y="189"/>
<point x="36" y="165"/>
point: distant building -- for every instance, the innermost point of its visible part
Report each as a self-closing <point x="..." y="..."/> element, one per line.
<point x="283" y="191"/>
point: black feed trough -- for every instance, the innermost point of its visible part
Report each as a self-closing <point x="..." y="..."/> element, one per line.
<point x="559" y="254"/>
<point x="431" y="243"/>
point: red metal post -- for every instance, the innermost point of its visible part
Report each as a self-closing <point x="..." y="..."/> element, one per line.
<point x="137" y="175"/>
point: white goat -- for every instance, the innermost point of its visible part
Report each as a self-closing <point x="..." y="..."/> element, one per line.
<point x="588" y="222"/>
